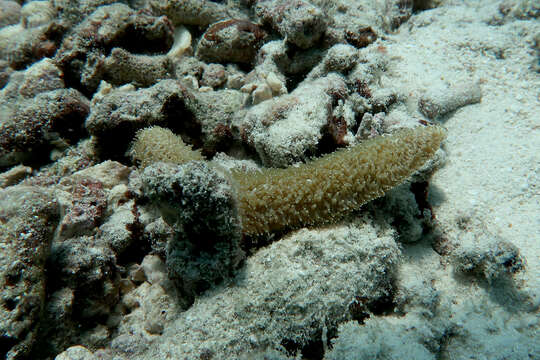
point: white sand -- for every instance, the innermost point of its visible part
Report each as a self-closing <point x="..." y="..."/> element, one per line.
<point x="493" y="168"/>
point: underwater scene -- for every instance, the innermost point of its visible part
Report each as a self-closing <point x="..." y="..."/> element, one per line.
<point x="270" y="179"/>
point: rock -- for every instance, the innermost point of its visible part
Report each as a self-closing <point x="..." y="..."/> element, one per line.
<point x="488" y="257"/>
<point x="198" y="202"/>
<point x="82" y="54"/>
<point x="282" y="293"/>
<point x="191" y="12"/>
<point x="28" y="216"/>
<point x="231" y="40"/>
<point x="21" y="46"/>
<point x="288" y="128"/>
<point x="14" y="175"/>
<point x="10" y="13"/>
<point x="300" y="22"/>
<point x="214" y="75"/>
<point x="116" y="114"/>
<point x="39" y="114"/>
<point x="77" y="352"/>
<point x="122" y="67"/>
<point x="37" y="13"/>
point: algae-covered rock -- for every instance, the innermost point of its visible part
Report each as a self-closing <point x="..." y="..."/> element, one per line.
<point x="198" y="201"/>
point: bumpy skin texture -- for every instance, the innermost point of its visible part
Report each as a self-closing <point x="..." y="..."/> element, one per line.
<point x="155" y="144"/>
<point x="325" y="189"/>
<point x="317" y="192"/>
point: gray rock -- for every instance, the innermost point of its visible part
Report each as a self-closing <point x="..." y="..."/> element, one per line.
<point x="10" y="13"/>
<point x="82" y="57"/>
<point x="39" y="114"/>
<point x="300" y="22"/>
<point x="487" y="256"/>
<point x="198" y="201"/>
<point x="21" y="46"/>
<point x="288" y="128"/>
<point x="292" y="291"/>
<point x="231" y="40"/>
<point x="192" y="12"/>
<point x="122" y="67"/>
<point x="28" y="216"/>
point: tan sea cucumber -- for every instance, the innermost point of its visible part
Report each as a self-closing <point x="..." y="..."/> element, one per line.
<point x="323" y="190"/>
<point x="316" y="192"/>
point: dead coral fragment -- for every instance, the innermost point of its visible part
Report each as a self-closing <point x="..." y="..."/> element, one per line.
<point x="325" y="189"/>
<point x="155" y="144"/>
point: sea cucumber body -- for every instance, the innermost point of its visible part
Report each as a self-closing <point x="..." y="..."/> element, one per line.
<point x="323" y="190"/>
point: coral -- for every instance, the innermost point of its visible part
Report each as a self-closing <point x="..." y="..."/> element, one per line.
<point x="159" y="144"/>
<point x="319" y="191"/>
<point x="28" y="216"/>
<point x="324" y="189"/>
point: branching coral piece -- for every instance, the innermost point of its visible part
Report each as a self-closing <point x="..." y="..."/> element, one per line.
<point x="325" y="189"/>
